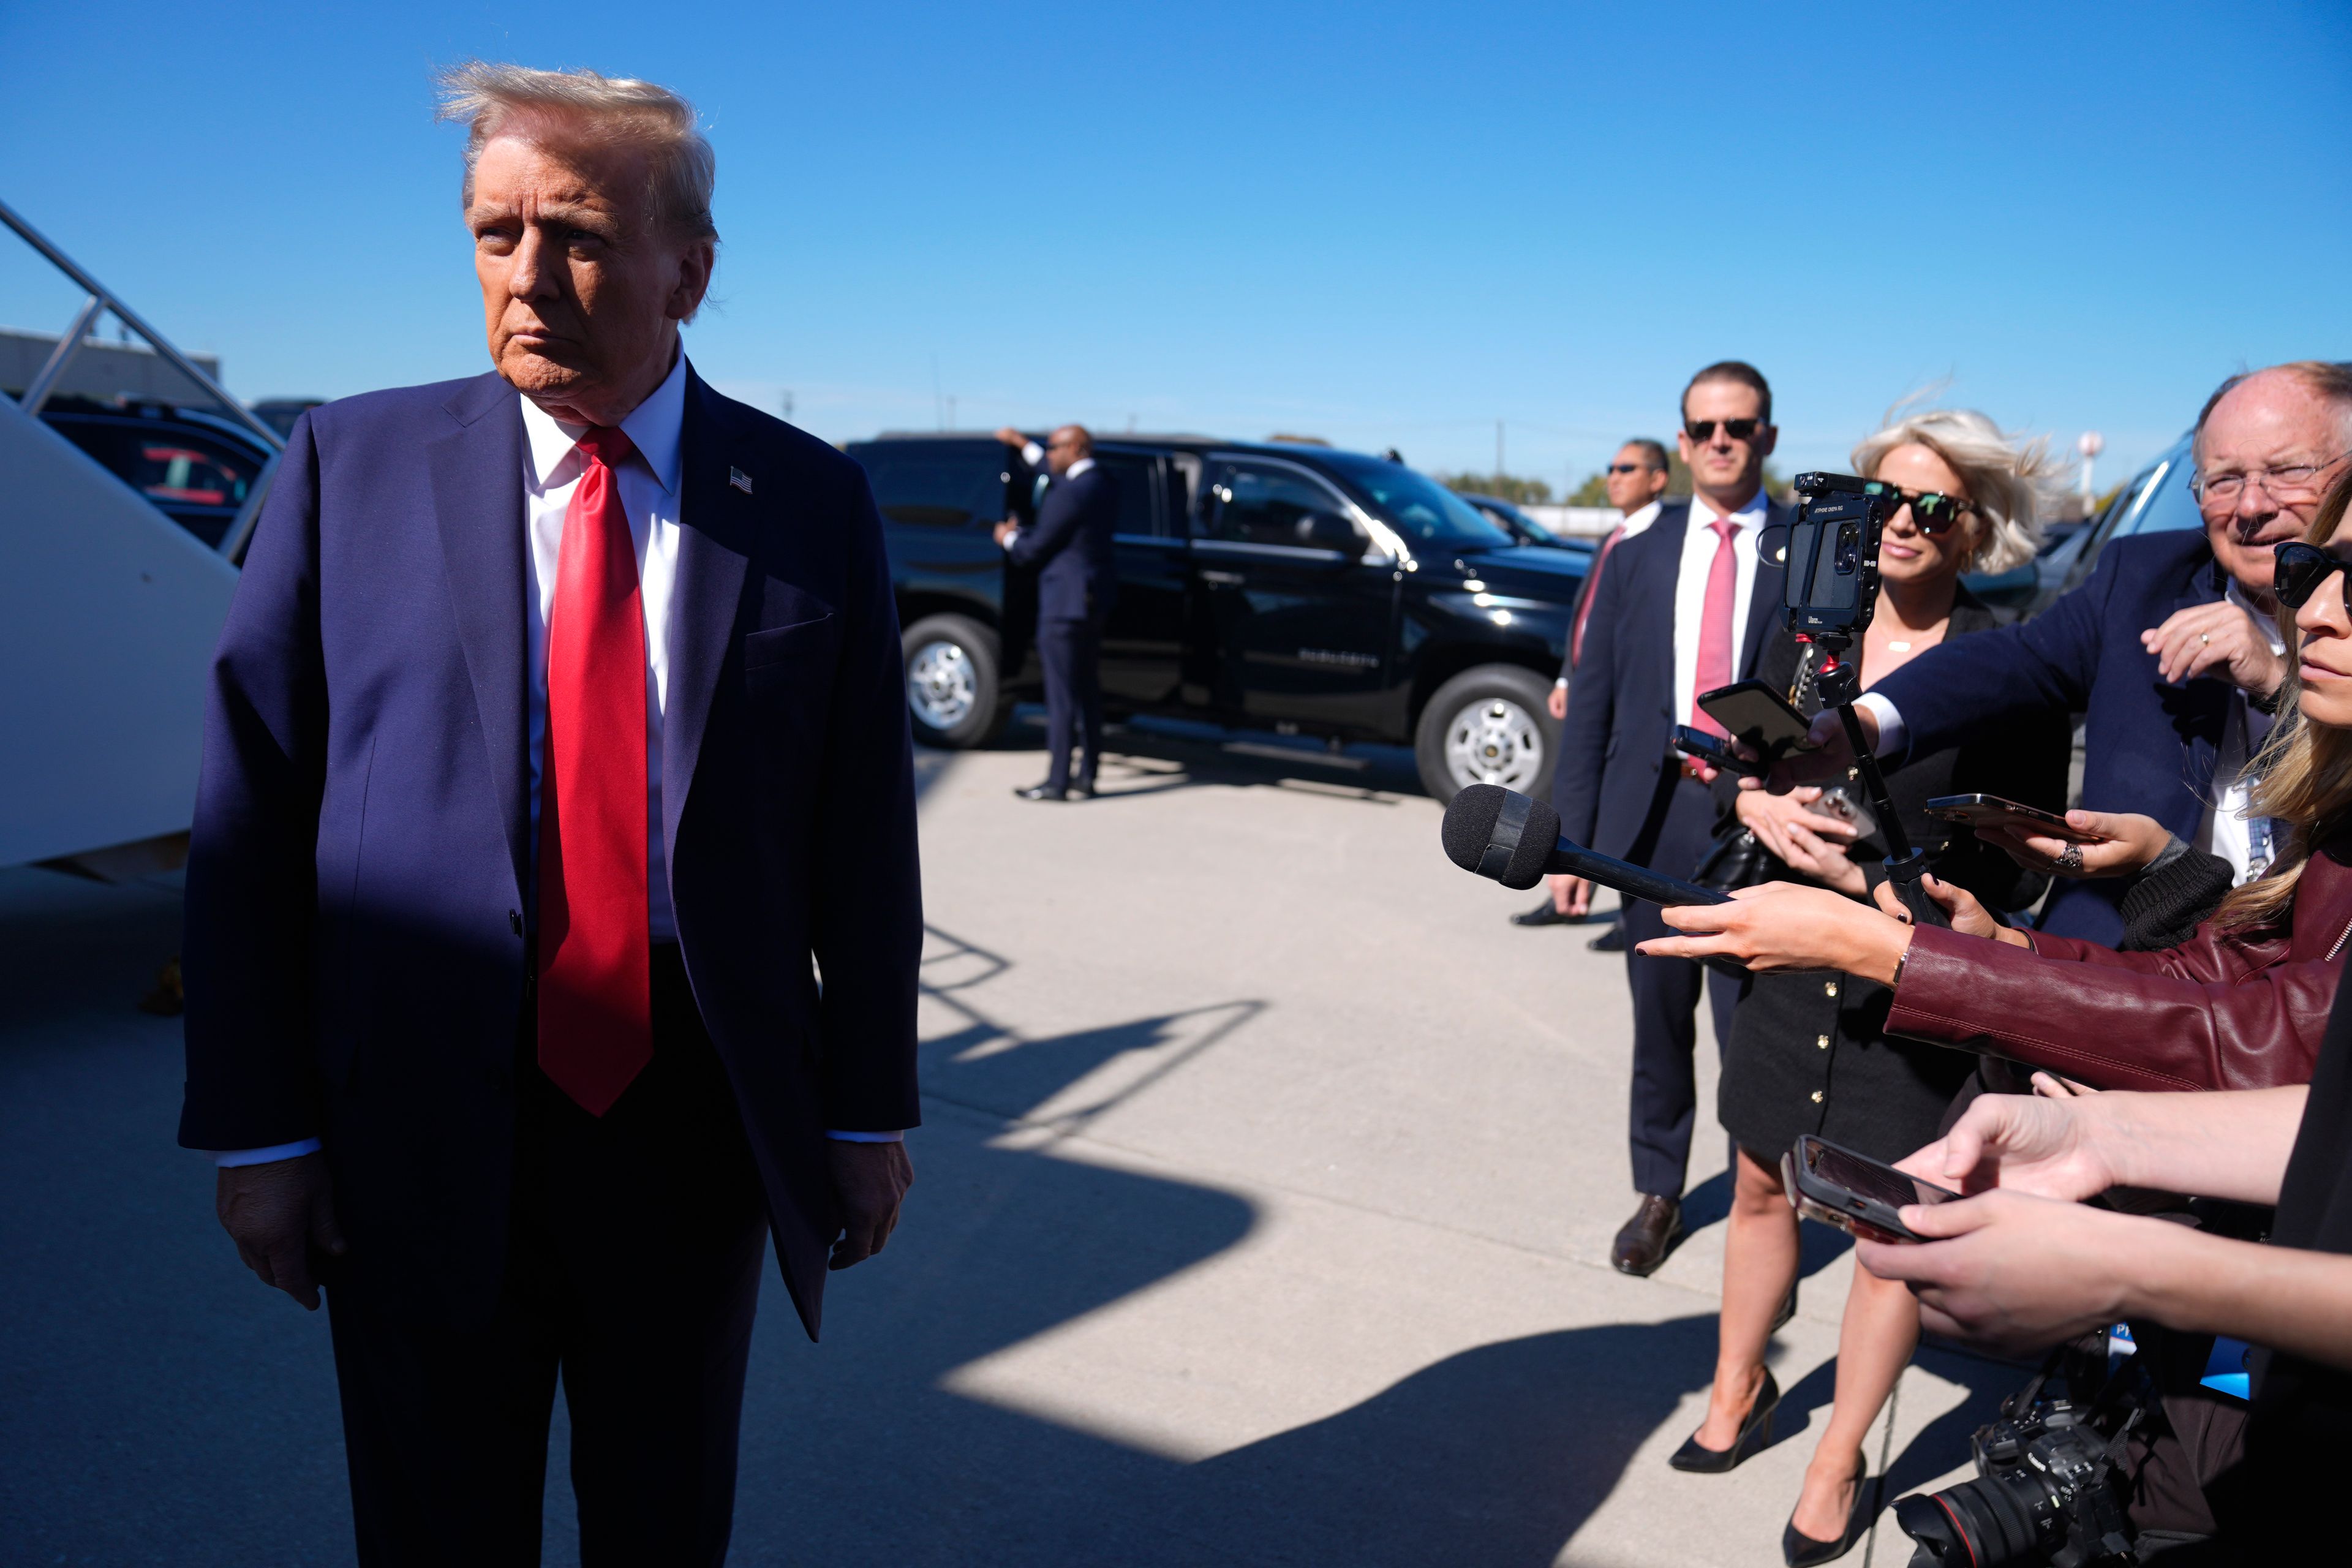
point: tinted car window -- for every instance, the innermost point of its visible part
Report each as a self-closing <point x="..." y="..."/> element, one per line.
<point x="2171" y="506"/>
<point x="1424" y="510"/>
<point x="941" y="491"/>
<point x="1135" y="476"/>
<point x="1272" y="506"/>
<point x="172" y="470"/>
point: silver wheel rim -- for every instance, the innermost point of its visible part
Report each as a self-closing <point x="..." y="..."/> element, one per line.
<point x="941" y="686"/>
<point x="1494" y="740"/>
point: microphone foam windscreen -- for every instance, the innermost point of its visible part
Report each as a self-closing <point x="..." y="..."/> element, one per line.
<point x="1481" y="814"/>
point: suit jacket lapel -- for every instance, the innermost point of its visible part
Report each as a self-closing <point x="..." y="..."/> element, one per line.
<point x="708" y="593"/>
<point x="476" y="473"/>
<point x="1665" y="569"/>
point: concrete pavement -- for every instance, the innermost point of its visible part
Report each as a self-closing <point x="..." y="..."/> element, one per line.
<point x="1262" y="1212"/>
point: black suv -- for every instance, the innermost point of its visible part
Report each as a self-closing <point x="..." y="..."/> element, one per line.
<point x="197" y="467"/>
<point x="1289" y="587"/>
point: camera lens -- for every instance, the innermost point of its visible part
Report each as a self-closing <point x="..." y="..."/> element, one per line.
<point x="1849" y="548"/>
<point x="1992" y="1522"/>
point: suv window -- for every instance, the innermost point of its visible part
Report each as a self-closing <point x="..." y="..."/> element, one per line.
<point x="1137" y="480"/>
<point x="1274" y="506"/>
<point x="938" y="490"/>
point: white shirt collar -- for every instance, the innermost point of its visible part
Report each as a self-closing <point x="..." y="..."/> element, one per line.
<point x="1080" y="467"/>
<point x="1750" y="515"/>
<point x="1640" y="518"/>
<point x="655" y="427"/>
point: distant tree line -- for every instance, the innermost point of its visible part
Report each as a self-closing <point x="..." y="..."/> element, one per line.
<point x="1593" y="491"/>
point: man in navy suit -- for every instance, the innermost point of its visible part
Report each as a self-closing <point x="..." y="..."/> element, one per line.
<point x="1684" y="607"/>
<point x="553" y="908"/>
<point x="1072" y="550"/>
<point x="2170" y="648"/>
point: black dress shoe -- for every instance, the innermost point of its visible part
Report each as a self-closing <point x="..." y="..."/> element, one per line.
<point x="1543" y="914"/>
<point x="1755" y="1437"/>
<point x="1648" y="1237"/>
<point x="1082" y="790"/>
<point x="1043" y="792"/>
<point x="1609" y="941"/>
<point x="1798" y="1550"/>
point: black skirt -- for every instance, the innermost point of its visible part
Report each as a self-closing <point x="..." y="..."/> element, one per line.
<point x="1809" y="1053"/>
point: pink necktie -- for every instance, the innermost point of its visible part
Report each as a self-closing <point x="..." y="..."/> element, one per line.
<point x="595" y="1005"/>
<point x="1714" y="659"/>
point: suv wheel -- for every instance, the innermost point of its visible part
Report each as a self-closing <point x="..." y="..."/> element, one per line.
<point x="1486" y="725"/>
<point x="954" y="695"/>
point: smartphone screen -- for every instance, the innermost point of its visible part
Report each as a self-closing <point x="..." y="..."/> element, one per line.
<point x="1867" y="1178"/>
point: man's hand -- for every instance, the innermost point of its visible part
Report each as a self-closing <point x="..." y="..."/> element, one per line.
<point x="1004" y="530"/>
<point x="2128" y="842"/>
<point x="869" y="1183"/>
<point x="1012" y="437"/>
<point x="1556" y="703"/>
<point x="277" y="1214"/>
<point x="1571" y="896"/>
<point x="2218" y="639"/>
<point x="2044" y="1144"/>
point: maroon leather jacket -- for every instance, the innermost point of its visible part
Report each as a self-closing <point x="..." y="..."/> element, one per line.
<point x="2226" y="1009"/>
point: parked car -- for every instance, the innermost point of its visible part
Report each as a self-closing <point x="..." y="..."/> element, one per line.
<point x="197" y="467"/>
<point x="2156" y="499"/>
<point x="1289" y="587"/>
<point x="1524" y="529"/>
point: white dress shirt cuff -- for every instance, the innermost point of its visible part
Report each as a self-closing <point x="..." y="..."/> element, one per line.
<point x="1562" y="681"/>
<point x="264" y="1156"/>
<point x="1032" y="453"/>
<point x="873" y="1136"/>
<point x="1012" y="536"/>
<point x="1892" y="736"/>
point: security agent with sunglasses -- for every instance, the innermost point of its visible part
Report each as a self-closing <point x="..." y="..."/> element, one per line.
<point x="1685" y="606"/>
<point x="2170" y="649"/>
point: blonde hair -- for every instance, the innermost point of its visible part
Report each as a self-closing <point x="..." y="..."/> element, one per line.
<point x="2006" y="476"/>
<point x="616" y="111"/>
<point x="2302" y="776"/>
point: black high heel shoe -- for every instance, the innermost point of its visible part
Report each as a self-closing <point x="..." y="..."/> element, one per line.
<point x="1755" y="1437"/>
<point x="1798" y="1550"/>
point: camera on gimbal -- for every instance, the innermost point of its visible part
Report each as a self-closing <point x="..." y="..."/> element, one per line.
<point x="2049" y="1487"/>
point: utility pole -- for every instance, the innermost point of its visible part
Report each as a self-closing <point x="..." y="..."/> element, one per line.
<point x="1498" y="451"/>
<point x="952" y="424"/>
<point x="2090" y="445"/>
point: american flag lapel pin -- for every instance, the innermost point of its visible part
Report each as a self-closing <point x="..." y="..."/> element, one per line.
<point x="740" y="479"/>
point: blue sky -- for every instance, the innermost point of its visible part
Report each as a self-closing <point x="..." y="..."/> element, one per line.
<point x="1378" y="224"/>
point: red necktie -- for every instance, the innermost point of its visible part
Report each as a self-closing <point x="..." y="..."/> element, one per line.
<point x="1715" y="658"/>
<point x="595" y="981"/>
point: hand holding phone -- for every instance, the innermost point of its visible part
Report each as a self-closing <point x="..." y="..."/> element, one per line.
<point x="1712" y="750"/>
<point x="1860" y="1195"/>
<point x="1991" y="811"/>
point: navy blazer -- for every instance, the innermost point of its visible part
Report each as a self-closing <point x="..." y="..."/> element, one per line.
<point x="1072" y="545"/>
<point x="357" y="945"/>
<point x="2148" y="744"/>
<point x="1617" y="736"/>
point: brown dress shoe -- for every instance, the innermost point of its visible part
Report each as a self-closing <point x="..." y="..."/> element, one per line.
<point x="1648" y="1237"/>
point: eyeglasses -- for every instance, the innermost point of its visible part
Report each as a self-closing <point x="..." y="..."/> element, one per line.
<point x="1932" y="512"/>
<point x="1631" y="467"/>
<point x="2291" y="481"/>
<point x="1738" y="430"/>
<point x="2301" y="569"/>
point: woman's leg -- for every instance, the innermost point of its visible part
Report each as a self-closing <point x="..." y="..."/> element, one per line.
<point x="1760" y="1264"/>
<point x="1875" y="1344"/>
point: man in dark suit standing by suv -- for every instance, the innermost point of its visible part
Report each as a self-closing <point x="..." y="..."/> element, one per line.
<point x="1071" y="546"/>
<point x="1684" y="607"/>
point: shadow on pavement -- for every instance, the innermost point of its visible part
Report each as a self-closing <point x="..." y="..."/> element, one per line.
<point x="1148" y="755"/>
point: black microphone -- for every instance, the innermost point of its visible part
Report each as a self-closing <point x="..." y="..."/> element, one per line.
<point x="1515" y="838"/>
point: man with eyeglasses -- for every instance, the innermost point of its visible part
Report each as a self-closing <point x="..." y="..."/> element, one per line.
<point x="1684" y="609"/>
<point x="1635" y="478"/>
<point x="2170" y="649"/>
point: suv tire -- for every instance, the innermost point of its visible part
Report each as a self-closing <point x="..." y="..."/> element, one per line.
<point x="1488" y="725"/>
<point x="955" y="696"/>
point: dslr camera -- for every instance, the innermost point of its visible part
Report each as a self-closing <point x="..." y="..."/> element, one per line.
<point x="2048" y="1487"/>
<point x="1833" y="555"/>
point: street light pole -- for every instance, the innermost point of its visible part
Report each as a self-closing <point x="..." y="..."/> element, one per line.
<point x="2090" y="444"/>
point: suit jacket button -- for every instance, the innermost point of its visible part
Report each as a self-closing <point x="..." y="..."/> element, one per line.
<point x="1828" y="988"/>
<point x="1817" y="1097"/>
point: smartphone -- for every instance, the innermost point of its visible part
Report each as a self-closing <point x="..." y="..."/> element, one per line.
<point x="1852" y="1192"/>
<point x="1756" y="716"/>
<point x="1710" y="749"/>
<point x="1992" y="811"/>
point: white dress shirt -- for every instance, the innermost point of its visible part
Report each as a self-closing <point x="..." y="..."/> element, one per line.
<point x="1034" y="455"/>
<point x="553" y="463"/>
<point x="1637" y="520"/>
<point x="1699" y="545"/>
<point x="2224" y="829"/>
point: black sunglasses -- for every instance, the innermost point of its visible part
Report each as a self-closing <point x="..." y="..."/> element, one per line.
<point x="1738" y="430"/>
<point x="1629" y="468"/>
<point x="2302" y="568"/>
<point x="1932" y="511"/>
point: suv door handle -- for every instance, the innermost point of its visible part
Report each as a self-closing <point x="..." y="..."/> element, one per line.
<point x="1231" y="577"/>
